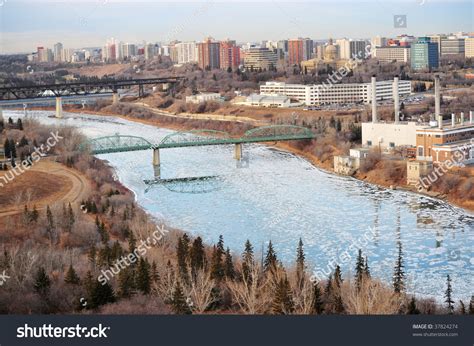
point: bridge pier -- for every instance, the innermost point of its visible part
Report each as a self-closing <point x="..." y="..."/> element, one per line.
<point x="59" y="107"/>
<point x="238" y="151"/>
<point x="115" y="97"/>
<point x="156" y="163"/>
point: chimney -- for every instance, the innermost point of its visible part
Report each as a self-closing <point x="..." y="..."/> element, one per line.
<point x="374" y="100"/>
<point x="453" y="119"/>
<point x="462" y="118"/>
<point x="440" y="122"/>
<point x="396" y="100"/>
<point x="437" y="98"/>
<point x="471" y="117"/>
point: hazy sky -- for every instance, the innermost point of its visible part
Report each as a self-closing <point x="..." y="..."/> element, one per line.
<point x="24" y="25"/>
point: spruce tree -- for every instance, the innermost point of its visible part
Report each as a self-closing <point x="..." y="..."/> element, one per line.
<point x="12" y="149"/>
<point x="462" y="308"/>
<point x="126" y="283"/>
<point x="300" y="264"/>
<point x="399" y="274"/>
<point x="448" y="295"/>
<point x="101" y="294"/>
<point x="42" y="282"/>
<point x="217" y="268"/>
<point x="7" y="149"/>
<point x="359" y="269"/>
<point x="471" y="306"/>
<point x="197" y="254"/>
<point x="155" y="276"/>
<point x="338" y="276"/>
<point x="132" y="243"/>
<point x="178" y="302"/>
<point x="366" y="268"/>
<point x="182" y="256"/>
<point x="247" y="260"/>
<point x="282" y="302"/>
<point x="34" y="214"/>
<point x="229" y="271"/>
<point x="70" y="218"/>
<point x="71" y="276"/>
<point x="270" y="258"/>
<point x="49" y="219"/>
<point x="317" y="299"/>
<point x="143" y="276"/>
<point x="412" y="309"/>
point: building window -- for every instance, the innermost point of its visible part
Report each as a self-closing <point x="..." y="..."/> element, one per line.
<point x="369" y="143"/>
<point x="392" y="145"/>
<point x="420" y="151"/>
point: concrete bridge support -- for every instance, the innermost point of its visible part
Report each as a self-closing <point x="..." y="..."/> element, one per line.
<point x="59" y="107"/>
<point x="156" y="163"/>
<point x="115" y="97"/>
<point x="238" y="151"/>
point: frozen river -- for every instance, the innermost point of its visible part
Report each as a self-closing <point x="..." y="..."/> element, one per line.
<point x="276" y="195"/>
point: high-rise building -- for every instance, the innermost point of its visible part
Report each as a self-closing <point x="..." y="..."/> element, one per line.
<point x="378" y="41"/>
<point x="208" y="54"/>
<point x="229" y="55"/>
<point x="452" y="45"/>
<point x="260" y="58"/>
<point x="437" y="39"/>
<point x="58" y="51"/>
<point x="67" y="54"/>
<point x="424" y="54"/>
<point x="390" y="54"/>
<point x="186" y="52"/>
<point x="109" y="52"/>
<point x="40" y="53"/>
<point x="469" y="47"/>
<point x="150" y="51"/>
<point x="299" y="49"/>
<point x="129" y="50"/>
<point x="349" y="48"/>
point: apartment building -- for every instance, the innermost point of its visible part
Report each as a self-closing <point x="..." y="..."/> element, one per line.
<point x="229" y="55"/>
<point x="209" y="54"/>
<point x="452" y="46"/>
<point x="318" y="94"/>
<point x="391" y="54"/>
<point x="469" y="47"/>
<point x="260" y="58"/>
<point x="186" y="52"/>
<point x="349" y="48"/>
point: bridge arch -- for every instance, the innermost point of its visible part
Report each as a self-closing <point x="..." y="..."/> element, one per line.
<point x="116" y="143"/>
<point x="278" y="132"/>
<point x="194" y="138"/>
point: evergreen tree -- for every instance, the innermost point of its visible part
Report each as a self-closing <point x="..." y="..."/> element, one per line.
<point x="282" y="302"/>
<point x="71" y="276"/>
<point x="462" y="308"/>
<point x="359" y="269"/>
<point x="318" y="305"/>
<point x="178" y="302"/>
<point x="132" y="243"/>
<point x="34" y="214"/>
<point x="182" y="254"/>
<point x="126" y="283"/>
<point x="143" y="276"/>
<point x="247" y="260"/>
<point x="300" y="264"/>
<point x="197" y="254"/>
<point x="270" y="258"/>
<point x="338" y="303"/>
<point x="70" y="218"/>
<point x="328" y="288"/>
<point x="412" y="309"/>
<point x="471" y="306"/>
<point x="399" y="274"/>
<point x="448" y="295"/>
<point x="91" y="256"/>
<point x="220" y="245"/>
<point x="49" y="219"/>
<point x="19" y="124"/>
<point x="338" y="125"/>
<point x="101" y="294"/>
<point x="42" y="282"/>
<point x="338" y="276"/>
<point x="217" y="268"/>
<point x="229" y="271"/>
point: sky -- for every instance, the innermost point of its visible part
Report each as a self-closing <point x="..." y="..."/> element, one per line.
<point x="26" y="24"/>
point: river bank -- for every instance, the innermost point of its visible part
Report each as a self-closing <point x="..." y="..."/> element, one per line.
<point x="376" y="176"/>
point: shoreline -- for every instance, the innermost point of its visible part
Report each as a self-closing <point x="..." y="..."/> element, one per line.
<point x="282" y="146"/>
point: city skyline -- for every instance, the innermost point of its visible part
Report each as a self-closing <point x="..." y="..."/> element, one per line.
<point x="25" y="25"/>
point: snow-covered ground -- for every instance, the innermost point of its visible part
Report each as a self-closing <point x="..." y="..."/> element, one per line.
<point x="278" y="196"/>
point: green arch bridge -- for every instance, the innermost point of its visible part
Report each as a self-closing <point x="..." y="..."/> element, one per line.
<point x="124" y="143"/>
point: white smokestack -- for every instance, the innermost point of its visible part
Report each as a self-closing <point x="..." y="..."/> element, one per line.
<point x="374" y="100"/>
<point x="437" y="98"/>
<point x="453" y="119"/>
<point x="462" y="118"/>
<point x="471" y="117"/>
<point x="440" y="122"/>
<point x="396" y="99"/>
